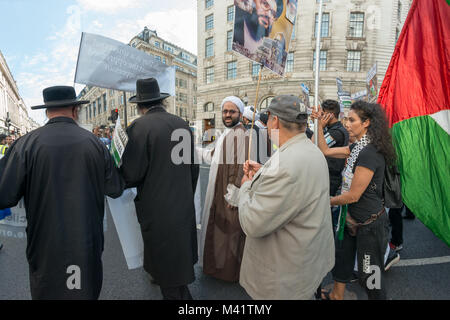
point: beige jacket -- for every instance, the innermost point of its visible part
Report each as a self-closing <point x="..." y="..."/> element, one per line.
<point x="285" y="213"/>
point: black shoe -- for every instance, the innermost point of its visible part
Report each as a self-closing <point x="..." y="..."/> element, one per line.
<point x="1" y="246"/>
<point x="392" y="259"/>
<point x="355" y="277"/>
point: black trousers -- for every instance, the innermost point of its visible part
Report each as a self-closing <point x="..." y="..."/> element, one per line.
<point x="176" y="293"/>
<point x="369" y="245"/>
<point x="395" y="217"/>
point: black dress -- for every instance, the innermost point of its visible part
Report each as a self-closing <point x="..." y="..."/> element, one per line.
<point x="64" y="173"/>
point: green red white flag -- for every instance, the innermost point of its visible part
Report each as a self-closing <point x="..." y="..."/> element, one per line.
<point x="415" y="94"/>
<point x="118" y="143"/>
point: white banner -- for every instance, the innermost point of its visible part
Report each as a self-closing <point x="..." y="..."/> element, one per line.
<point x="107" y="63"/>
<point x="128" y="229"/>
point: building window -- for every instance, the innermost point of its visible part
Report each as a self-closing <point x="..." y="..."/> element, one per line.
<point x="94" y="106"/>
<point x="208" y="107"/>
<point x="209" y="47"/>
<point x="290" y="62"/>
<point x="164" y="60"/>
<point x="293" y="32"/>
<point x="255" y="69"/>
<point x="121" y="99"/>
<point x="157" y="44"/>
<point x="104" y="102"/>
<point x="209" y="75"/>
<point x="324" y="27"/>
<point x="209" y="22"/>
<point x="353" y="61"/>
<point x="399" y="11"/>
<point x="230" y="40"/>
<point x="158" y="58"/>
<point x="230" y="13"/>
<point x="99" y="104"/>
<point x="209" y="3"/>
<point x="265" y="103"/>
<point x="231" y="70"/>
<point x="323" y="60"/>
<point x="397" y="34"/>
<point x="167" y="47"/>
<point x="356" y="25"/>
<point x="87" y="112"/>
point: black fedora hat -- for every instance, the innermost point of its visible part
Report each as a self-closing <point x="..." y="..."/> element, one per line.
<point x="147" y="90"/>
<point x="58" y="97"/>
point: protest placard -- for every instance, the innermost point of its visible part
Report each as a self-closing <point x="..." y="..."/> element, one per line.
<point x="107" y="63"/>
<point x="118" y="143"/>
<point x="263" y="30"/>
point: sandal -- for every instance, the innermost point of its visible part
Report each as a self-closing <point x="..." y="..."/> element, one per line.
<point x="325" y="295"/>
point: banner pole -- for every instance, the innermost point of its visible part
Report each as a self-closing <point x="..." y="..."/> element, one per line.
<point x="254" y="110"/>
<point x="316" y="89"/>
<point x="125" y="110"/>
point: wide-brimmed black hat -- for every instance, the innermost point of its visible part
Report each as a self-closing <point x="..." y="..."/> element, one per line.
<point x="58" y="97"/>
<point x="147" y="90"/>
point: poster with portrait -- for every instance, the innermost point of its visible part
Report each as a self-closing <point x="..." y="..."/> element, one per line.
<point x="263" y="30"/>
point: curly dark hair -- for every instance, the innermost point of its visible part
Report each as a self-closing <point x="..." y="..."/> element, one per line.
<point x="378" y="130"/>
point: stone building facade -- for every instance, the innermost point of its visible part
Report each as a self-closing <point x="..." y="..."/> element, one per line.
<point x="102" y="101"/>
<point x="356" y="34"/>
<point x="12" y="105"/>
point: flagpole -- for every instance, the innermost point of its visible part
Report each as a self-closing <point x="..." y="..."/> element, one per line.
<point x="316" y="88"/>
<point x="254" y="110"/>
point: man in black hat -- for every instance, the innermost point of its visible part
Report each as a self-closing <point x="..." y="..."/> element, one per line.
<point x="165" y="191"/>
<point x="64" y="173"/>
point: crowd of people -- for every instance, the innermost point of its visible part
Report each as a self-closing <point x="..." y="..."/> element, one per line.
<point x="277" y="222"/>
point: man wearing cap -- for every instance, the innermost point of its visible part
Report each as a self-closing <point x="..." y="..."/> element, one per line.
<point x="284" y="212"/>
<point x="63" y="172"/>
<point x="222" y="240"/>
<point x="165" y="191"/>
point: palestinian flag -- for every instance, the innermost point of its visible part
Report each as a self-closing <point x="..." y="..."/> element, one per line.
<point x="415" y="94"/>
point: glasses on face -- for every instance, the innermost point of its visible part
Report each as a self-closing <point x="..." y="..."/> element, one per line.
<point x="266" y="5"/>
<point x="231" y="112"/>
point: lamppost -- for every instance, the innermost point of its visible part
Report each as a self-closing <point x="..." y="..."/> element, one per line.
<point x="245" y="99"/>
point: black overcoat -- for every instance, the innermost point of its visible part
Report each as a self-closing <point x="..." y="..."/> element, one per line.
<point x="165" y="196"/>
<point x="63" y="172"/>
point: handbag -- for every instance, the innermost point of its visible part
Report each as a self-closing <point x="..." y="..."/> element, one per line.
<point x="392" y="191"/>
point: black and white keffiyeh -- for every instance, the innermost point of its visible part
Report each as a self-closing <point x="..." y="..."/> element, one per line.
<point x="348" y="171"/>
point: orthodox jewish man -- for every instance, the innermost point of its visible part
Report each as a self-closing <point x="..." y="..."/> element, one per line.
<point x="64" y="173"/>
<point x="165" y="191"/>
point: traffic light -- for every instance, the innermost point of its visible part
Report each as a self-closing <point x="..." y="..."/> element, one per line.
<point x="114" y="115"/>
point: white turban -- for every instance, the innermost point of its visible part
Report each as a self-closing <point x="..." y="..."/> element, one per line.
<point x="236" y="101"/>
<point x="248" y="113"/>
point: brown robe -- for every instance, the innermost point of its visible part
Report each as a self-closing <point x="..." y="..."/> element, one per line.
<point x="224" y="241"/>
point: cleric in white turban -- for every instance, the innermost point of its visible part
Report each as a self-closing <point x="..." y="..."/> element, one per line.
<point x="222" y="240"/>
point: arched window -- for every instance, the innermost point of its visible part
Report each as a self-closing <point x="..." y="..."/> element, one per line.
<point x="265" y="103"/>
<point x="208" y="107"/>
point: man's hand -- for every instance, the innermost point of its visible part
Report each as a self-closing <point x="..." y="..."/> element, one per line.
<point x="251" y="168"/>
<point x="326" y="117"/>
<point x="316" y="114"/>
<point x="246" y="178"/>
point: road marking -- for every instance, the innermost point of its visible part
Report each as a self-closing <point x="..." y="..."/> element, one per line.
<point x="422" y="262"/>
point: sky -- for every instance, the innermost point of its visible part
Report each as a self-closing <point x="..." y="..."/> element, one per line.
<point x="40" y="39"/>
